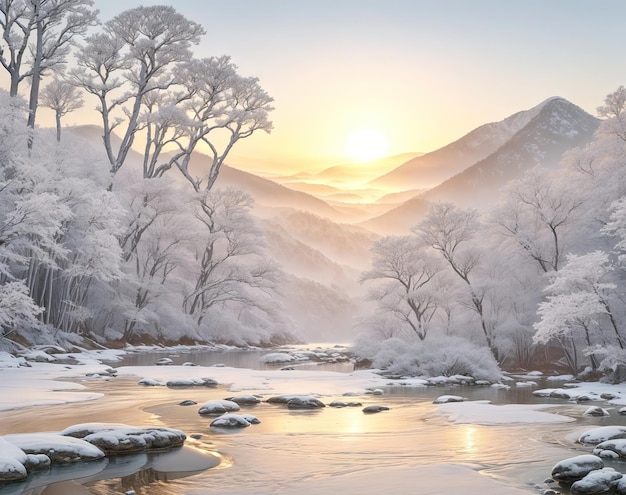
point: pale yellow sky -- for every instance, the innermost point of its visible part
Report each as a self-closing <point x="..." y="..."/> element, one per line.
<point x="423" y="72"/>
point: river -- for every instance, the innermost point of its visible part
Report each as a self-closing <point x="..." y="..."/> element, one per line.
<point x="290" y="447"/>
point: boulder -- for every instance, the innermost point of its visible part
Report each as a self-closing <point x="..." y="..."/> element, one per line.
<point x="231" y="420"/>
<point x="596" y="411"/>
<point x="601" y="434"/>
<point x="374" y="409"/>
<point x="576" y="468"/>
<point x="443" y="399"/>
<point x="244" y="400"/>
<point x="217" y="407"/>
<point x="596" y="482"/>
<point x="611" y="449"/>
<point x="305" y="402"/>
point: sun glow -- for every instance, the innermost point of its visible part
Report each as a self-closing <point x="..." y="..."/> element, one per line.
<point x="366" y="145"/>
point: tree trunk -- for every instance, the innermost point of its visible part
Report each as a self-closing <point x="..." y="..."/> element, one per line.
<point x="58" y="121"/>
<point x="34" y="87"/>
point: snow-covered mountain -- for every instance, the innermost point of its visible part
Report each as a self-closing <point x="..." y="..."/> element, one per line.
<point x="555" y="127"/>
<point x="431" y="169"/>
<point x="559" y="126"/>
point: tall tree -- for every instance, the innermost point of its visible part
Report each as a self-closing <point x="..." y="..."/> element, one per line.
<point x="449" y="230"/>
<point x="63" y="98"/>
<point x="408" y="274"/>
<point x="136" y="55"/>
<point x="232" y="264"/>
<point x="580" y="307"/>
<point x="37" y="36"/>
<point x="535" y="214"/>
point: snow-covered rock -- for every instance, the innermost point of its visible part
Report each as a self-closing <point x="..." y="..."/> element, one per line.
<point x="12" y="462"/>
<point x="230" y="420"/>
<point x="596" y="482"/>
<point x="149" y="382"/>
<point x="59" y="448"/>
<point x="602" y="434"/>
<point x="443" y="399"/>
<point x="191" y="382"/>
<point x="339" y="403"/>
<point x="164" y="362"/>
<point x="305" y="402"/>
<point x="115" y="439"/>
<point x="217" y="407"/>
<point x="244" y="400"/>
<point x="596" y="411"/>
<point x="576" y="468"/>
<point x="277" y="357"/>
<point x="375" y="409"/>
<point x="611" y="449"/>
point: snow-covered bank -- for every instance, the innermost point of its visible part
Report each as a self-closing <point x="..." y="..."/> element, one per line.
<point x="284" y="434"/>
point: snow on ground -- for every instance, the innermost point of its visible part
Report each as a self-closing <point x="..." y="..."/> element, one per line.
<point x="482" y="412"/>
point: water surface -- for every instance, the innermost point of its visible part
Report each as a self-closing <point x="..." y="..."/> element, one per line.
<point x="290" y="448"/>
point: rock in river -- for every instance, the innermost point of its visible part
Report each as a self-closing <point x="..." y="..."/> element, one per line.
<point x="576" y="468"/>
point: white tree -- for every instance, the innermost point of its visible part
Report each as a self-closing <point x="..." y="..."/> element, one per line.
<point x="37" y="36"/>
<point x="449" y="230"/>
<point x="616" y="227"/>
<point x="581" y="304"/>
<point x="408" y="274"/>
<point x="614" y="110"/>
<point x="535" y="214"/>
<point x="232" y="265"/>
<point x="61" y="97"/>
<point x="137" y="54"/>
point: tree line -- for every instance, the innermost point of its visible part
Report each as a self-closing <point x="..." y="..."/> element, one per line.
<point x="538" y="280"/>
<point x="113" y="246"/>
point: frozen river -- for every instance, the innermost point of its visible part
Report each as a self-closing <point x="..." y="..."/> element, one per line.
<point x="411" y="448"/>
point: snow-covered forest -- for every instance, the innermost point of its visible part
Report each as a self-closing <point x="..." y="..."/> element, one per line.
<point x="537" y="279"/>
<point x="133" y="239"/>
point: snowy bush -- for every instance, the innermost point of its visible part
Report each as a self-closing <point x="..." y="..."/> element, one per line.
<point x="436" y="356"/>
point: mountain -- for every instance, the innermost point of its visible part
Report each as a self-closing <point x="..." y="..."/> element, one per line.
<point x="555" y="127"/>
<point x="558" y="127"/>
<point x="363" y="172"/>
<point x="430" y="169"/>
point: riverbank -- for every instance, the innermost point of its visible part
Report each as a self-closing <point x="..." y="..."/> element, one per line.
<point x="415" y="445"/>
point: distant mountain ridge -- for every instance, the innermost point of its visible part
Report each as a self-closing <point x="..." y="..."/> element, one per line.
<point x="555" y="127"/>
<point x="558" y="127"/>
<point x="431" y="169"/>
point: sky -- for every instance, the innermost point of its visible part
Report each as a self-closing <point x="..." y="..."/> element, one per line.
<point x="414" y="74"/>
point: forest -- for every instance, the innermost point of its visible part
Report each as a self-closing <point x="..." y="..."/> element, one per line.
<point x="133" y="240"/>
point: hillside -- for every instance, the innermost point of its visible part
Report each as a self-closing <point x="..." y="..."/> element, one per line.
<point x="433" y="168"/>
<point x="556" y="127"/>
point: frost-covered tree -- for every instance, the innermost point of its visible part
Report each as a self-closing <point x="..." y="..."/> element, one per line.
<point x="61" y="97"/>
<point x="136" y="55"/>
<point x="232" y="266"/>
<point x="407" y="273"/>
<point x="58" y="225"/>
<point x="222" y="107"/>
<point x="449" y="230"/>
<point x="535" y="214"/>
<point x="37" y="36"/>
<point x="141" y="70"/>
<point x="153" y="245"/>
<point x="614" y="111"/>
<point x="616" y="227"/>
<point x="581" y="307"/>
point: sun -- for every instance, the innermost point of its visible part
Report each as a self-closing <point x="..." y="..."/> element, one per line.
<point x="366" y="145"/>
